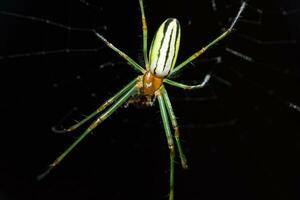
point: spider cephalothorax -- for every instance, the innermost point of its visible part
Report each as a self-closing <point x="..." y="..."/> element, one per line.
<point x="150" y="84"/>
<point x="148" y="87"/>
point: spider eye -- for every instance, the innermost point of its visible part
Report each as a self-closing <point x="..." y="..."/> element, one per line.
<point x="164" y="48"/>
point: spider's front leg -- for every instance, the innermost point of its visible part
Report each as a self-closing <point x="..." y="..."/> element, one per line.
<point x="145" y="34"/>
<point x="214" y="42"/>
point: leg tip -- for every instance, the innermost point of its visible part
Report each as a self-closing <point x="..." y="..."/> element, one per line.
<point x="56" y="130"/>
<point x="184" y="166"/>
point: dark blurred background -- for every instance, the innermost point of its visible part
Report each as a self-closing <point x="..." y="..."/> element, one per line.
<point x="240" y="134"/>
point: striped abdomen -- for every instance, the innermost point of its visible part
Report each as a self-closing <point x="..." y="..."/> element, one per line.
<point x="164" y="48"/>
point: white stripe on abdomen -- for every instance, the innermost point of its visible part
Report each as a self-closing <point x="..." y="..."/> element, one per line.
<point x="164" y="48"/>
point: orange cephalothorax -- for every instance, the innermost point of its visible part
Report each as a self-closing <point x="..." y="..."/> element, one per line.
<point x="151" y="83"/>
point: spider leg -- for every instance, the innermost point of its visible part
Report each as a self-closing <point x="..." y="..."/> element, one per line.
<point x="170" y="141"/>
<point x="130" y="61"/>
<point x="175" y="126"/>
<point x="215" y="41"/>
<point x="98" y="121"/>
<point x="145" y="34"/>
<point x="99" y="109"/>
<point x="188" y="87"/>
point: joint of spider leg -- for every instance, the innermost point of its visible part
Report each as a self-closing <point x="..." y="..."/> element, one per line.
<point x="203" y="84"/>
<point x="144" y="24"/>
<point x="96" y="123"/>
<point x="182" y="156"/>
<point x="72" y="128"/>
<point x="104" y="105"/>
<point x="172" y="150"/>
<point x="176" y="132"/>
<point x="54" y="164"/>
<point x="238" y="16"/>
<point x="121" y="53"/>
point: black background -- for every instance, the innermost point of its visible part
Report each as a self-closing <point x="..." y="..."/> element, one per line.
<point x="241" y="138"/>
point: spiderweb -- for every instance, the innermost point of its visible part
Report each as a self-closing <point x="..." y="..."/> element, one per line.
<point x="240" y="134"/>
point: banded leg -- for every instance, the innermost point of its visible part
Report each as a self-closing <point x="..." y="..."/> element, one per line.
<point x="98" y="121"/>
<point x="130" y="61"/>
<point x="145" y="34"/>
<point x="188" y="87"/>
<point x="175" y="126"/>
<point x="100" y="108"/>
<point x="215" y="41"/>
<point x="170" y="141"/>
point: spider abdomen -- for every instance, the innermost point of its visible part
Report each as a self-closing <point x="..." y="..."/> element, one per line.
<point x="164" y="48"/>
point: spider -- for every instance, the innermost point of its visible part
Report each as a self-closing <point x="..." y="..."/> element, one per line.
<point x="149" y="86"/>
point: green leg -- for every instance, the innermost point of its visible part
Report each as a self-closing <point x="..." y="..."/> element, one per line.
<point x="69" y="28"/>
<point x="121" y="53"/>
<point x="165" y="120"/>
<point x="98" y="121"/>
<point x="188" y="87"/>
<point x="215" y="41"/>
<point x="175" y="126"/>
<point x="145" y="34"/>
<point x="100" y="109"/>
